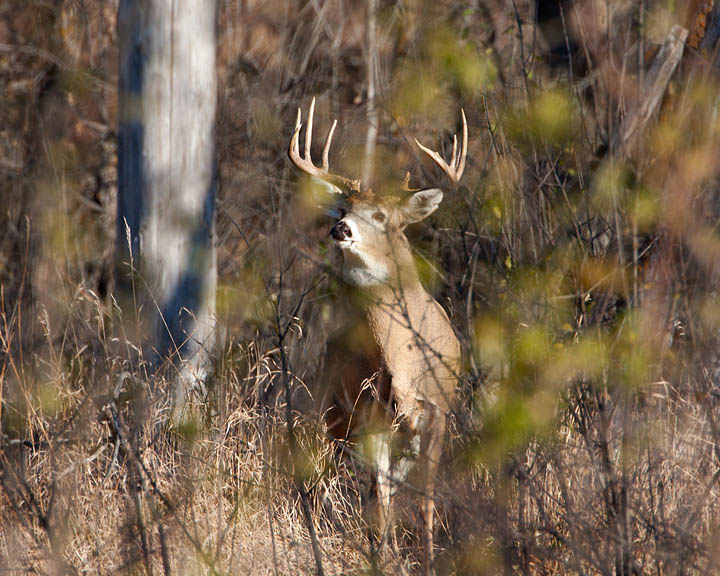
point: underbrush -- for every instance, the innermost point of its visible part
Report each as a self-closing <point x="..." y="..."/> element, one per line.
<point x="578" y="266"/>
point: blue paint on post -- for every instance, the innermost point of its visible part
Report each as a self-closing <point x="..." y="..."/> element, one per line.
<point x="130" y="138"/>
<point x="191" y="289"/>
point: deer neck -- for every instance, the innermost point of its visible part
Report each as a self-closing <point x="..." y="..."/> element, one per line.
<point x="391" y="310"/>
<point x="393" y="297"/>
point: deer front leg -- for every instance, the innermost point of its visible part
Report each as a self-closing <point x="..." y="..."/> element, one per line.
<point x="424" y="425"/>
<point x="432" y="436"/>
<point x="380" y="456"/>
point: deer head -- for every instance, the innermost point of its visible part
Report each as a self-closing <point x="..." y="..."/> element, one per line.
<point x="370" y="228"/>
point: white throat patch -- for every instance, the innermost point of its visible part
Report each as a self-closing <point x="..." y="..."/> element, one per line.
<point x="359" y="269"/>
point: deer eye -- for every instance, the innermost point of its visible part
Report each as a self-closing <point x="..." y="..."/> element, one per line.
<point x="379" y="217"/>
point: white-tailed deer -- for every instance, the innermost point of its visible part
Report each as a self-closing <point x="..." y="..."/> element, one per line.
<point x="418" y="353"/>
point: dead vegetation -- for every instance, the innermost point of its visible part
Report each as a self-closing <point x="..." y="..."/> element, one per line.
<point x="578" y="263"/>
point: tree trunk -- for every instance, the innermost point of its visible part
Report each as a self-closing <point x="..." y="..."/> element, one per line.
<point x="166" y="182"/>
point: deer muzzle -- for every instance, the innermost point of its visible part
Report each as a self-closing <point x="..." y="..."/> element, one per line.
<point x="341" y="231"/>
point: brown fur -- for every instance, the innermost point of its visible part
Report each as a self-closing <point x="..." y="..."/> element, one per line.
<point x="416" y="350"/>
<point x="417" y="356"/>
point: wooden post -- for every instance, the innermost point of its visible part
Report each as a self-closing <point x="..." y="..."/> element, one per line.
<point x="166" y="181"/>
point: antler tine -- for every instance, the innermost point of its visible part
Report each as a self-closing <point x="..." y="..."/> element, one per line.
<point x="308" y="131"/>
<point x="304" y="161"/>
<point x="326" y="149"/>
<point x="463" y="151"/>
<point x="294" y="151"/>
<point x="457" y="162"/>
<point x="453" y="156"/>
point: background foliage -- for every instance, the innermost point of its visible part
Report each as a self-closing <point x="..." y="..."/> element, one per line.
<point x="579" y="269"/>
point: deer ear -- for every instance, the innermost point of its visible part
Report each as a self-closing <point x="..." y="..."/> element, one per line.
<point x="421" y="204"/>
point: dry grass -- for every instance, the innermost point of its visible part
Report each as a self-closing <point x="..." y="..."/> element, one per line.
<point x="581" y="281"/>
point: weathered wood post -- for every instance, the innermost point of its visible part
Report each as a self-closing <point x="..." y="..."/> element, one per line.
<point x="166" y="182"/>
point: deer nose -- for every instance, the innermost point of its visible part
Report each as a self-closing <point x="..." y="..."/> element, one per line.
<point x="341" y="231"/>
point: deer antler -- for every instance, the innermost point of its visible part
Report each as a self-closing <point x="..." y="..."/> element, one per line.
<point x="457" y="162"/>
<point x="305" y="162"/>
